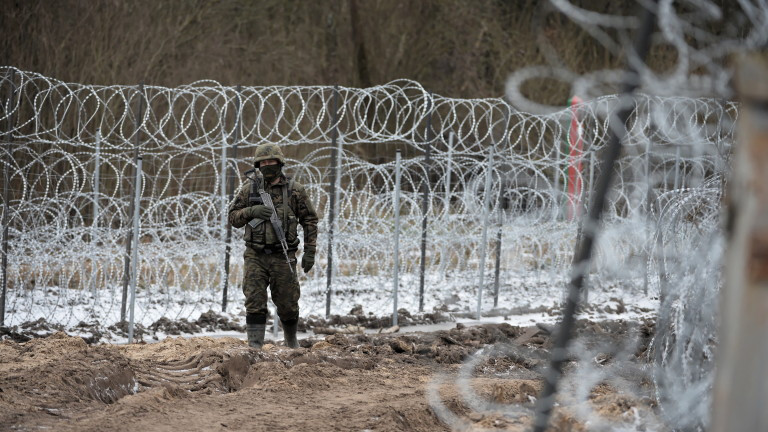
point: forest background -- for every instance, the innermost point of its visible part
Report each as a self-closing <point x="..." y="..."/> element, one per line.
<point x="455" y="48"/>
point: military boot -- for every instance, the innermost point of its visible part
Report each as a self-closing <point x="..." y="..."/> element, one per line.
<point x="255" y="334"/>
<point x="289" y="331"/>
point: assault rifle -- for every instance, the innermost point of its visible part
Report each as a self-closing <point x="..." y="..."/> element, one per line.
<point x="274" y="219"/>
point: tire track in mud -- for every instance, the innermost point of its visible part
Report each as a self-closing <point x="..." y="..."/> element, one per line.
<point x="201" y="371"/>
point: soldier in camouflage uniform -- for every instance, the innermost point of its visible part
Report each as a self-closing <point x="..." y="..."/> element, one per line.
<point x="265" y="263"/>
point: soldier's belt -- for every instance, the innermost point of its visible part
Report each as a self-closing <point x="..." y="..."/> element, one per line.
<point x="267" y="250"/>
<point x="271" y="249"/>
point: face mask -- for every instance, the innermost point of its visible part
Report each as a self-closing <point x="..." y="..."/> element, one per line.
<point x="270" y="172"/>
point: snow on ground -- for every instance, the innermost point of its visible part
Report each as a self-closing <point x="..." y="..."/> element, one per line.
<point x="525" y="298"/>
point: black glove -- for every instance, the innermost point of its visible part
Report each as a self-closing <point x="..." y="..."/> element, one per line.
<point x="258" y="211"/>
<point x="308" y="260"/>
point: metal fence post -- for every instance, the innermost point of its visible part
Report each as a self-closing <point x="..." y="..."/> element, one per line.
<point x="7" y="197"/>
<point x="425" y="201"/>
<point x="677" y="167"/>
<point x="223" y="219"/>
<point x="96" y="189"/>
<point x="584" y="249"/>
<point x="648" y="185"/>
<point x="332" y="199"/>
<point x="647" y="209"/>
<point x="96" y="182"/>
<point x="502" y="203"/>
<point x="556" y="188"/>
<point x="575" y="157"/>
<point x="135" y="252"/>
<point x="591" y="177"/>
<point x="486" y="215"/>
<point x="231" y="191"/>
<point x="497" y="272"/>
<point x="127" y="264"/>
<point x="396" y="266"/>
<point x="448" y="172"/>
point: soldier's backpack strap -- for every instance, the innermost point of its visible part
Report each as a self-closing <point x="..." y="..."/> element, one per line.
<point x="254" y="196"/>
<point x="287" y="191"/>
<point x="290" y="188"/>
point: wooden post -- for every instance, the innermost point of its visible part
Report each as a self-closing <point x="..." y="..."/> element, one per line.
<point x="741" y="394"/>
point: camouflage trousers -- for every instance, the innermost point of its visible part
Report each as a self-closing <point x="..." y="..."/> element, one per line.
<point x="262" y="270"/>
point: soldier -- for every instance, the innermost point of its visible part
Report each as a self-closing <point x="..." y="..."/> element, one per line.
<point x="265" y="263"/>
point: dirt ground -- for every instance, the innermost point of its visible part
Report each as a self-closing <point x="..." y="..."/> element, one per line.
<point x="409" y="382"/>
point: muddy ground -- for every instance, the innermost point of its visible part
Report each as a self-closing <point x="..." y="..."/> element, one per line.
<point x="381" y="382"/>
<point x="94" y="332"/>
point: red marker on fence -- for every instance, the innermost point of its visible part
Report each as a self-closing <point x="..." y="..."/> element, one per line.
<point x="575" y="142"/>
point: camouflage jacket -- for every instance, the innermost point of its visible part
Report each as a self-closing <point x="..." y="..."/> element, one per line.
<point x="298" y="211"/>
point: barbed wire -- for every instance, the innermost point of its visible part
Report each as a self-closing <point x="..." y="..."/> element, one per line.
<point x="68" y="224"/>
<point x="682" y="258"/>
<point x="70" y="159"/>
<point x="660" y="234"/>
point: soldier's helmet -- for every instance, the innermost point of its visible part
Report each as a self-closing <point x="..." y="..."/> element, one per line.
<point x="268" y="151"/>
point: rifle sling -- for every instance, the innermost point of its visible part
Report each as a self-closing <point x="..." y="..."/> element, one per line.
<point x="285" y="213"/>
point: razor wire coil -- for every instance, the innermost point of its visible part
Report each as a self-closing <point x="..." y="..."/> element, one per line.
<point x="68" y="225"/>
